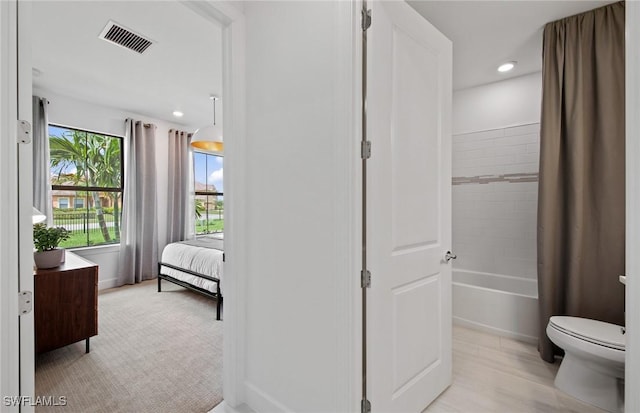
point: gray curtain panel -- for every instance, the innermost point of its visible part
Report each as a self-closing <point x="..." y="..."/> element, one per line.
<point x="180" y="193"/>
<point x="138" y="257"/>
<point x="581" y="204"/>
<point x="41" y="158"/>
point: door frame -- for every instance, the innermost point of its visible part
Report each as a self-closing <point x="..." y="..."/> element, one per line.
<point x="632" y="290"/>
<point x="230" y="18"/>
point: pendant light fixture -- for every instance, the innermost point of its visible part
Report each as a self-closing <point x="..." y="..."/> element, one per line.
<point x="209" y="138"/>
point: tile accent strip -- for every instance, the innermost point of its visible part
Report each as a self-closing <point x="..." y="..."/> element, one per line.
<point x="487" y="179"/>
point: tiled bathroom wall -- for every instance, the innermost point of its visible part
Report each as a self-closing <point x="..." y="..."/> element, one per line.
<point x="495" y="191"/>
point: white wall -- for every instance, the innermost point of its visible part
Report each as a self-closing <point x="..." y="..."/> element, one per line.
<point x="495" y="191"/>
<point x="495" y="195"/>
<point x="497" y="105"/>
<point x="68" y="111"/>
<point x="301" y="156"/>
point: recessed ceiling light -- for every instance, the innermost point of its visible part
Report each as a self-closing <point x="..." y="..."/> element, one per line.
<point x="178" y="114"/>
<point x="505" y="67"/>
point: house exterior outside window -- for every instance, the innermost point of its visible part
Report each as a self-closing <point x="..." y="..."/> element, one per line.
<point x="87" y="182"/>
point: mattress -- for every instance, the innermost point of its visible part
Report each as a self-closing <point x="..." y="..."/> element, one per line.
<point x="202" y="255"/>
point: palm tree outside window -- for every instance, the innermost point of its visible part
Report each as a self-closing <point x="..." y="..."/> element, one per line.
<point x="86" y="182"/>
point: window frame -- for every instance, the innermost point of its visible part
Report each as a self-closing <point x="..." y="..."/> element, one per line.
<point x="75" y="202"/>
<point x="66" y="199"/>
<point x="88" y="189"/>
<point x="205" y="193"/>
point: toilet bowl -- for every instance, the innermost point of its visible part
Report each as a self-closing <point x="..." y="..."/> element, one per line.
<point x="592" y="369"/>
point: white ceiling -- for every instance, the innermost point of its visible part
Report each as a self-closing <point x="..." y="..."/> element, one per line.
<point x="184" y="65"/>
<point x="488" y="33"/>
<point x="178" y="72"/>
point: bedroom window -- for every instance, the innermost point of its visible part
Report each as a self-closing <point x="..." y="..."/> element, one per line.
<point x="86" y="182"/>
<point x="209" y="202"/>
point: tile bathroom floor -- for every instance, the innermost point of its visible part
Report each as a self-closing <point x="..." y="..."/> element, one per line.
<point x="498" y="374"/>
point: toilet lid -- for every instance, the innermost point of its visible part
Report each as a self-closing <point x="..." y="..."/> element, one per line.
<point x="597" y="332"/>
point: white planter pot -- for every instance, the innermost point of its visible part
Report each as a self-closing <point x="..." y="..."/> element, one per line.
<point x="49" y="259"/>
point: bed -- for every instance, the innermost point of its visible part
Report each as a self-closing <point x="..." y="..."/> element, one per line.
<point x="196" y="265"/>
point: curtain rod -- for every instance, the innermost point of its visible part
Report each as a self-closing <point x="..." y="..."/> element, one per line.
<point x="181" y="132"/>
<point x="146" y="125"/>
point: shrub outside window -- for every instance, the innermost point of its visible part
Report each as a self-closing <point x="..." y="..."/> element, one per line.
<point x="86" y="182"/>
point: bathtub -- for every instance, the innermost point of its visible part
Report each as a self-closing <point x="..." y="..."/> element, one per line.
<point x="507" y="306"/>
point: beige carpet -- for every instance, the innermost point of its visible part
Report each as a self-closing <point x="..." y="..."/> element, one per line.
<point x="155" y="352"/>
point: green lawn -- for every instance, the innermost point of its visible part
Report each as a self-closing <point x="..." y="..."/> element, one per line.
<point x="215" y="225"/>
<point x="79" y="238"/>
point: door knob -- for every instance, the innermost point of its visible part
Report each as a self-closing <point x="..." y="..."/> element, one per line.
<point x="448" y="256"/>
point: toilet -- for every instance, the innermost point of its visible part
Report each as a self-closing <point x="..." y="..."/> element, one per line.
<point x="593" y="366"/>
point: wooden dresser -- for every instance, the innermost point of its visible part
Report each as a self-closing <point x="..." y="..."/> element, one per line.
<point x="66" y="303"/>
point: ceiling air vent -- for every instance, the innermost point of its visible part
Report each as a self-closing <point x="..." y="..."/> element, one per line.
<point x="117" y="34"/>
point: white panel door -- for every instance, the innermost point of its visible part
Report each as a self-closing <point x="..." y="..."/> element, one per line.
<point x="409" y="125"/>
<point x="9" y="248"/>
<point x="25" y="202"/>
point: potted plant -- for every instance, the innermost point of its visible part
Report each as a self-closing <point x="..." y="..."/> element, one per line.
<point x="46" y="241"/>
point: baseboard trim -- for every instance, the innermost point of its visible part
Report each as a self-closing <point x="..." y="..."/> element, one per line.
<point x="223" y="407"/>
<point x="261" y="401"/>
<point x="493" y="330"/>
<point x="105" y="284"/>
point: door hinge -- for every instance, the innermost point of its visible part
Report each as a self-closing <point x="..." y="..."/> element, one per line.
<point x="365" y="279"/>
<point x="25" y="302"/>
<point x="366" y="19"/>
<point x="365" y="406"/>
<point x="365" y="149"/>
<point x="24" y="131"/>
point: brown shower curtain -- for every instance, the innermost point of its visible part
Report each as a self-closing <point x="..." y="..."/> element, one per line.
<point x="581" y="204"/>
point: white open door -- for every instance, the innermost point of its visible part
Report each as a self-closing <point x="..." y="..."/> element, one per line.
<point x="25" y="203"/>
<point x="409" y="71"/>
<point x="16" y="340"/>
<point x="9" y="252"/>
